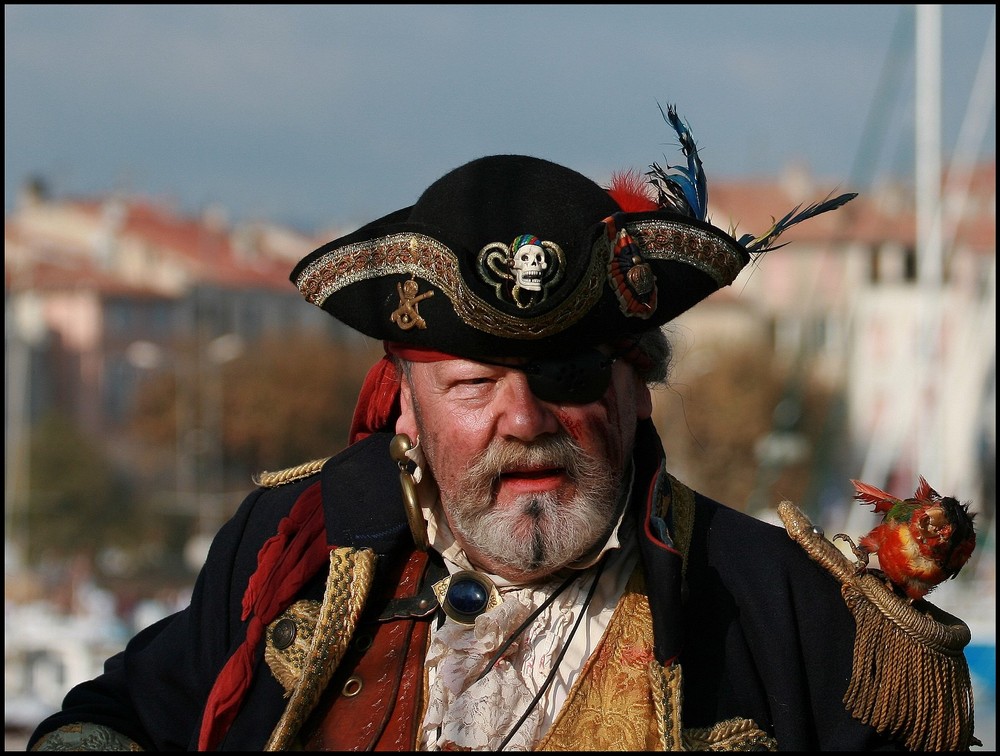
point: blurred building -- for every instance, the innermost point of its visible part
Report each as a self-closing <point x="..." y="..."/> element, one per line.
<point x="92" y="284"/>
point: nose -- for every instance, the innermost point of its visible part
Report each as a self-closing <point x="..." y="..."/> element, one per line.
<point x="522" y="414"/>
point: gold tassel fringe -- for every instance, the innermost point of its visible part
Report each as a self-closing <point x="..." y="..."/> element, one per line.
<point x="910" y="677"/>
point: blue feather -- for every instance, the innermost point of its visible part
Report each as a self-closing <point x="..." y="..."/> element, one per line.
<point x="765" y="242"/>
<point x="684" y="189"/>
<point x="679" y="188"/>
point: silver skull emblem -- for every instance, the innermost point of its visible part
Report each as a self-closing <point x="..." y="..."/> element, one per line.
<point x="528" y="265"/>
<point x="523" y="272"/>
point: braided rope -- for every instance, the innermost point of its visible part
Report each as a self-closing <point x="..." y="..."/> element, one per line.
<point x="665" y="684"/>
<point x="729" y="735"/>
<point x="352" y="571"/>
<point x="287" y="663"/>
<point x="267" y="479"/>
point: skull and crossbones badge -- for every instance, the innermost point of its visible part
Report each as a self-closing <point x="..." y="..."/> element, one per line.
<point x="524" y="271"/>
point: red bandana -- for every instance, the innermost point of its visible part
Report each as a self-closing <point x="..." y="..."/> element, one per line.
<point x="378" y="402"/>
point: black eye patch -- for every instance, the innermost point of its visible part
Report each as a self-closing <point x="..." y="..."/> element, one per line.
<point x="581" y="378"/>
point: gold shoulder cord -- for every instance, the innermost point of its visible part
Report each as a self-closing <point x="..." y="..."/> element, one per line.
<point x="329" y="628"/>
<point x="271" y="479"/>
<point x="910" y="678"/>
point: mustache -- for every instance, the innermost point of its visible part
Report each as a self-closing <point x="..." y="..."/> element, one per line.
<point x="550" y="452"/>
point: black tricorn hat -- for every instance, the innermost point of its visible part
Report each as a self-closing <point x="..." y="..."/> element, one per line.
<point x="510" y="255"/>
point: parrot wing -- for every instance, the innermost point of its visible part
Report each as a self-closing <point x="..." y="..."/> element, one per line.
<point x="868" y="494"/>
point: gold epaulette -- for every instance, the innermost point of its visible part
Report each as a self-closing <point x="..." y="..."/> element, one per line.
<point x="910" y="679"/>
<point x="271" y="479"/>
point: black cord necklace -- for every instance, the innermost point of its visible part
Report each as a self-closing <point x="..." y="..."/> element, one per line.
<point x="555" y="666"/>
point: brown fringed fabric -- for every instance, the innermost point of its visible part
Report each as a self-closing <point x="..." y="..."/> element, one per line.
<point x="910" y="678"/>
<point x="921" y="691"/>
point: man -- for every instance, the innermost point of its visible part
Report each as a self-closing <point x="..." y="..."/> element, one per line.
<point x="500" y="560"/>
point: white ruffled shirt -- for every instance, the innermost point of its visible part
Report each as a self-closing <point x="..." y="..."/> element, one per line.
<point x="463" y="714"/>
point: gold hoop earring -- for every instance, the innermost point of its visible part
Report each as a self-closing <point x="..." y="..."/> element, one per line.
<point x="398" y="448"/>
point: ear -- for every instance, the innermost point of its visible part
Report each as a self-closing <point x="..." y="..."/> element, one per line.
<point x="407" y="422"/>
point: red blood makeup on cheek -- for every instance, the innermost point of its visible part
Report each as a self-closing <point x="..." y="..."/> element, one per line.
<point x="571" y="425"/>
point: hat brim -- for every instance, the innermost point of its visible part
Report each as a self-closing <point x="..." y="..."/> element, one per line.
<point x="398" y="281"/>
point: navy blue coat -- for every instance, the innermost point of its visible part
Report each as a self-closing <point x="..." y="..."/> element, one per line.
<point x="760" y="630"/>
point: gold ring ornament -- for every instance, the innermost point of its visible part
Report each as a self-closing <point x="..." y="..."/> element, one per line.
<point x="405" y="453"/>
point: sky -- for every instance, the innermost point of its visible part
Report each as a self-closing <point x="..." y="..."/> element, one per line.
<point x="325" y="116"/>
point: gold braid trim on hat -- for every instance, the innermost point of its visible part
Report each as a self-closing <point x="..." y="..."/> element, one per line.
<point x="271" y="479"/>
<point x="416" y="254"/>
<point x="910" y="678"/>
<point x="665" y="240"/>
<point x="419" y="255"/>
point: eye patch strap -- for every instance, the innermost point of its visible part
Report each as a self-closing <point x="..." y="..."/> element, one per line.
<point x="579" y="378"/>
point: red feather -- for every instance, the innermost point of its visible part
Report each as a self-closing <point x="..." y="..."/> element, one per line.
<point x="631" y="192"/>
<point x="868" y="494"/>
<point x="924" y="492"/>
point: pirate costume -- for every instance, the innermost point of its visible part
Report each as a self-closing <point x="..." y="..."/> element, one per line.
<point x="336" y="611"/>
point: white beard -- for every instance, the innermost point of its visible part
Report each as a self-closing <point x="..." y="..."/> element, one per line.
<point x="538" y="531"/>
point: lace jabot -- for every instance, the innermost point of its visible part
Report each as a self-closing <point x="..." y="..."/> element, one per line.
<point x="464" y="712"/>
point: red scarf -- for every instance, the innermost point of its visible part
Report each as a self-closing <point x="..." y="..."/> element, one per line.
<point x="285" y="562"/>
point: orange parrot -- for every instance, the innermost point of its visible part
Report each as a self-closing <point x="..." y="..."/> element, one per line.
<point x="921" y="541"/>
